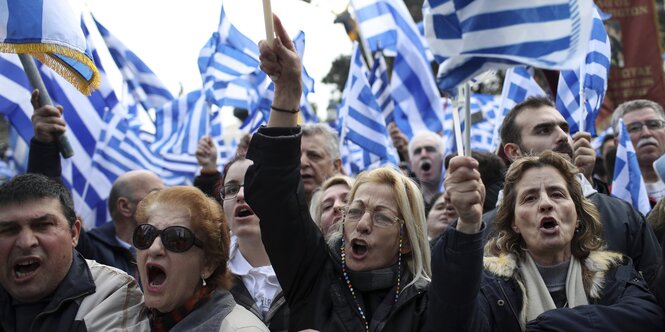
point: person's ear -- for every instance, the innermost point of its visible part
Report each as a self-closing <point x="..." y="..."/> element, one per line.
<point x="515" y="228"/>
<point x="338" y="166"/>
<point x="512" y="151"/>
<point x="76" y="231"/>
<point x="124" y="207"/>
<point x="406" y="246"/>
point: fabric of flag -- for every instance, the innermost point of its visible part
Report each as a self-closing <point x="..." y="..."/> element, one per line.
<point x="469" y="37"/>
<point x="378" y="80"/>
<point x="518" y="85"/>
<point x="146" y="88"/>
<point x="98" y="160"/>
<point x="361" y="120"/>
<point x="50" y="31"/>
<point x="180" y="124"/>
<point x="628" y="183"/>
<point x="229" y="66"/>
<point x="388" y="25"/>
<point x="484" y="110"/>
<point x="591" y="77"/>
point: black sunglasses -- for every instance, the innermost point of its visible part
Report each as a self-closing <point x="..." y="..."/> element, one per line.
<point x="174" y="238"/>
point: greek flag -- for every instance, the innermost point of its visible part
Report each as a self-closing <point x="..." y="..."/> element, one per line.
<point x="628" y="183"/>
<point x="180" y="124"/>
<point x="50" y="31"/>
<point x="229" y="66"/>
<point x="518" y="85"/>
<point x="469" y="37"/>
<point x="593" y="71"/>
<point x="378" y="80"/>
<point x="484" y="110"/>
<point x="146" y="88"/>
<point x="100" y="156"/>
<point x="388" y="25"/>
<point x="361" y="120"/>
<point x="227" y="56"/>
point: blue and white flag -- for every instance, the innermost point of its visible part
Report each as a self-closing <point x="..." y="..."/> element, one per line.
<point x="518" y="85"/>
<point x="484" y="110"/>
<point x="146" y="88"/>
<point x="378" y="80"/>
<point x="593" y="71"/>
<point x="180" y="124"/>
<point x="414" y="91"/>
<point x="50" y="31"/>
<point x="628" y="183"/>
<point x="361" y="120"/>
<point x="227" y="56"/>
<point x="469" y="37"/>
<point x="90" y="173"/>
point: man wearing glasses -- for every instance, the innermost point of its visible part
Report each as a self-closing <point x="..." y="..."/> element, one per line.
<point x="645" y="122"/>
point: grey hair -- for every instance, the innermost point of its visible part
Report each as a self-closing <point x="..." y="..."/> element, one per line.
<point x="633" y="105"/>
<point x="425" y="134"/>
<point x="331" y="140"/>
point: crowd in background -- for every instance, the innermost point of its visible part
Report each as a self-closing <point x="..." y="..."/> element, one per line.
<point x="280" y="239"/>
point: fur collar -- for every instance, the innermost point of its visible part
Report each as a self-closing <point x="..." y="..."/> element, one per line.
<point x="594" y="269"/>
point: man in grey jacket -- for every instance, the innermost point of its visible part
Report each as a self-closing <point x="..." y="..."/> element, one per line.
<point x="46" y="285"/>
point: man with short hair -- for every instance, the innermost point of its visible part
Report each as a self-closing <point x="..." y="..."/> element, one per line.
<point x="319" y="156"/>
<point x="46" y="284"/>
<point x="645" y="122"/>
<point x="534" y="126"/>
<point x="426" y="158"/>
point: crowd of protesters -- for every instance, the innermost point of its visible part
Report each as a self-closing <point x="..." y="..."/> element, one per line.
<point x="282" y="240"/>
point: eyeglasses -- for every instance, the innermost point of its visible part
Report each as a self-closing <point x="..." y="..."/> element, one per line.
<point x="174" y="238"/>
<point x="636" y="127"/>
<point x="230" y="191"/>
<point x="353" y="214"/>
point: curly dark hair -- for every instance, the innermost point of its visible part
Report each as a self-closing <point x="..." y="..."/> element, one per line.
<point x="507" y="241"/>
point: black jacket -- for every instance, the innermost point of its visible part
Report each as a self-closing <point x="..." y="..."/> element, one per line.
<point x="305" y="266"/>
<point x="472" y="293"/>
<point x="276" y="319"/>
<point x="101" y="245"/>
<point x="624" y="230"/>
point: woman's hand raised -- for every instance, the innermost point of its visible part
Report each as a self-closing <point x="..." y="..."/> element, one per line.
<point x="466" y="192"/>
<point x="282" y="64"/>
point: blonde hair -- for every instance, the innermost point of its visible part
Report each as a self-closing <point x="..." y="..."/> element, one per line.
<point x="412" y="210"/>
<point x="208" y="223"/>
<point x="315" y="205"/>
<point x="587" y="239"/>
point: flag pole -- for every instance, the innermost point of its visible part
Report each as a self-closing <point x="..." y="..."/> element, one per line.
<point x="44" y="99"/>
<point x="467" y="119"/>
<point x="456" y="124"/>
<point x="270" y="26"/>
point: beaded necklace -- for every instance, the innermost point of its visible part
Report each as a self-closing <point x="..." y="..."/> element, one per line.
<point x="348" y="280"/>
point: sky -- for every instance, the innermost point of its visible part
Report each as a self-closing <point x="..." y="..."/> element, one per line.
<point x="168" y="34"/>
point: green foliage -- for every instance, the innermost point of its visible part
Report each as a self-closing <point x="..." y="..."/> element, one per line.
<point x="338" y="72"/>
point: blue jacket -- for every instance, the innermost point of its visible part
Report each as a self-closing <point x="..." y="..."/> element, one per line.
<point x="469" y="293"/>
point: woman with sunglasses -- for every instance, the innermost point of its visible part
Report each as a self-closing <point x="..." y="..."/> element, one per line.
<point x="182" y="241"/>
<point x="255" y="285"/>
<point x="375" y="275"/>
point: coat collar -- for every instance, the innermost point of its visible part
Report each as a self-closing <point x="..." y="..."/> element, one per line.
<point x="594" y="269"/>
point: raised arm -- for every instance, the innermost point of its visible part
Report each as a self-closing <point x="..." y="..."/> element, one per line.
<point x="457" y="258"/>
<point x="48" y="124"/>
<point x="274" y="190"/>
<point x="282" y="64"/>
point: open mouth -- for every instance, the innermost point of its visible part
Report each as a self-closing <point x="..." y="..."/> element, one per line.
<point x="25" y="268"/>
<point x="156" y="276"/>
<point x="244" y="212"/>
<point x="548" y="223"/>
<point x="358" y="247"/>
